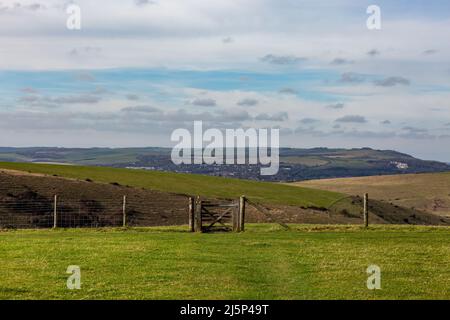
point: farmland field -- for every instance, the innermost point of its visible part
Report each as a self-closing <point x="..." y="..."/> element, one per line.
<point x="305" y="262"/>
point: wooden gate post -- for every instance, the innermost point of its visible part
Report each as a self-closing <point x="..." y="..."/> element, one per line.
<point x="235" y="217"/>
<point x="191" y="214"/>
<point x="55" y="212"/>
<point x="366" y="210"/>
<point x="124" y="212"/>
<point x="241" y="220"/>
<point x="198" y="216"/>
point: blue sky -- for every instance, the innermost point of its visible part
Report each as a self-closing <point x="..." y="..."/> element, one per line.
<point x="139" y="69"/>
<point x="150" y="81"/>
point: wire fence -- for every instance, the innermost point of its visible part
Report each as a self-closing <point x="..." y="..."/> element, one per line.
<point x="60" y="213"/>
<point x="26" y="209"/>
<point x="21" y="209"/>
<point x="29" y="204"/>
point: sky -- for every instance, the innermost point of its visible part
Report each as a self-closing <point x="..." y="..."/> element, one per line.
<point x="138" y="69"/>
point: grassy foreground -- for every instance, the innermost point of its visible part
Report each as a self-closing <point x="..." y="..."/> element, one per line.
<point x="306" y="262"/>
<point x="193" y="184"/>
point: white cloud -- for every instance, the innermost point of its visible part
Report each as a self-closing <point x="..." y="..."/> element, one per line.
<point x="191" y="34"/>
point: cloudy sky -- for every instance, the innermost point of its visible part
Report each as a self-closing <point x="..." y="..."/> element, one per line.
<point x="138" y="69"/>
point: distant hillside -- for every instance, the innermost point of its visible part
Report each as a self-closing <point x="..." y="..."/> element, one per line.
<point x="427" y="192"/>
<point x="295" y="164"/>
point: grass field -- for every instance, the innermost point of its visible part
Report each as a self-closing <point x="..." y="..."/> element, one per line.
<point x="306" y="262"/>
<point x="208" y="186"/>
<point x="429" y="192"/>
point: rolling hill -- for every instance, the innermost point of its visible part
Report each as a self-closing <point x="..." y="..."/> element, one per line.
<point x="295" y="164"/>
<point x="208" y="186"/>
<point x="427" y="192"/>
<point x="164" y="194"/>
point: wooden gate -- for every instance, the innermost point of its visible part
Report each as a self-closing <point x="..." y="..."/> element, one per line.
<point x="209" y="216"/>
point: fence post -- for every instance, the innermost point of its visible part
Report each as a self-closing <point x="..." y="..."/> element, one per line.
<point x="55" y="217"/>
<point x="235" y="217"/>
<point x="191" y="214"/>
<point x="124" y="211"/>
<point x="198" y="216"/>
<point x="366" y="210"/>
<point x="241" y="220"/>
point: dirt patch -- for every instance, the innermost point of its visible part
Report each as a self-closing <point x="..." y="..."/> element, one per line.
<point x="21" y="173"/>
<point x="28" y="200"/>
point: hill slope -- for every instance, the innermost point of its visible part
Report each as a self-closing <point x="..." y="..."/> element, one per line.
<point x="191" y="184"/>
<point x="428" y="192"/>
<point x="295" y="164"/>
<point x="26" y="199"/>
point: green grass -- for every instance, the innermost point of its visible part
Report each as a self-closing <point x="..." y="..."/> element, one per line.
<point x="306" y="161"/>
<point x="12" y="157"/>
<point x="192" y="184"/>
<point x="306" y="262"/>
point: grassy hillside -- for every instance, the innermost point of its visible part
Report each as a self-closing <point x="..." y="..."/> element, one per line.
<point x="429" y="192"/>
<point x="264" y="263"/>
<point x="264" y="192"/>
<point x="295" y="164"/>
<point x="89" y="156"/>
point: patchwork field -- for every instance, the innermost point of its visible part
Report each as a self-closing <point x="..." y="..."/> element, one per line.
<point x="428" y="192"/>
<point x="305" y="262"/>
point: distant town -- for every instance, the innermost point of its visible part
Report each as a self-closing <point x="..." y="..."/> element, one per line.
<point x="295" y="164"/>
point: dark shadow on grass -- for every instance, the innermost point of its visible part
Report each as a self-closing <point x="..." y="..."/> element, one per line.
<point x="12" y="290"/>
